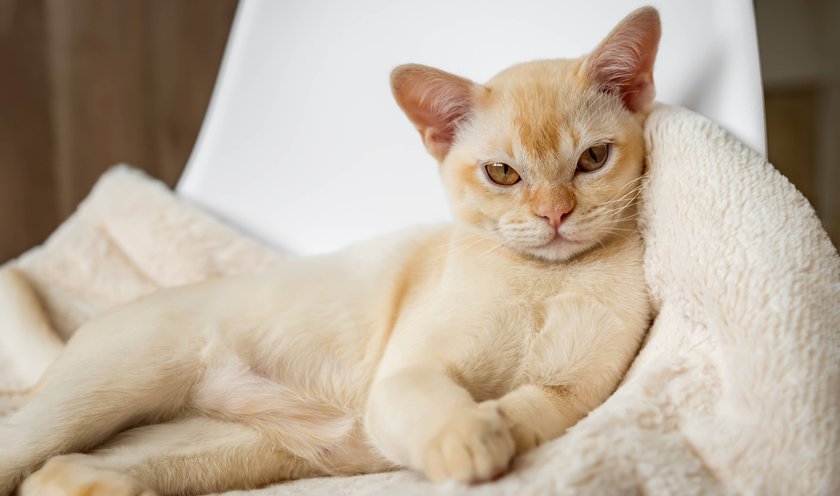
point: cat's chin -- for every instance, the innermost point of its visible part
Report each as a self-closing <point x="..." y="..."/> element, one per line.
<point x="557" y="250"/>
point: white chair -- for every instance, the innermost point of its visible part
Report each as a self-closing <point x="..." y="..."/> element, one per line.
<point x="304" y="147"/>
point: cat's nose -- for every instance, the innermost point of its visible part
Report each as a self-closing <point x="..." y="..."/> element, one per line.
<point x="555" y="215"/>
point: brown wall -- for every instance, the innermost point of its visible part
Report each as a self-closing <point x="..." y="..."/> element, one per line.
<point x="85" y="84"/>
<point x="799" y="44"/>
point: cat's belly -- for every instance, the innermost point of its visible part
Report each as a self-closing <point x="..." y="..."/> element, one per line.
<point x="286" y="348"/>
<point x="317" y="415"/>
<point x="299" y="382"/>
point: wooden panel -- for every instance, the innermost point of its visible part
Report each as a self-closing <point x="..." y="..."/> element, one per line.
<point x="27" y="188"/>
<point x="92" y="83"/>
<point x="803" y="144"/>
<point x="181" y="67"/>
<point x="792" y="137"/>
<point x="131" y="83"/>
<point x="828" y="158"/>
<point x="99" y="99"/>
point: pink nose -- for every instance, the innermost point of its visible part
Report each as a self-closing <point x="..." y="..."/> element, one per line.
<point x="555" y="215"/>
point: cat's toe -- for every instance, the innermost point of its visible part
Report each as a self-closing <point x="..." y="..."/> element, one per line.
<point x="69" y="475"/>
<point x="474" y="447"/>
<point x="525" y="438"/>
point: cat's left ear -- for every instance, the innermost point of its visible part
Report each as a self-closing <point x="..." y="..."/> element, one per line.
<point x="435" y="101"/>
<point x="623" y="62"/>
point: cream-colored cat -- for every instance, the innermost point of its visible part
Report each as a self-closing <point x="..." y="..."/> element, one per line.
<point x="448" y="350"/>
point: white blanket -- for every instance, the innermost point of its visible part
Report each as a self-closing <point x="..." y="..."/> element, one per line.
<point x="736" y="390"/>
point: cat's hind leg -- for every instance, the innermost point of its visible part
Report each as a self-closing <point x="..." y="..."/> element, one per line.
<point x="27" y="340"/>
<point x="197" y="455"/>
<point x="116" y="373"/>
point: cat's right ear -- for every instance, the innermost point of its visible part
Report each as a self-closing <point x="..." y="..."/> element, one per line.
<point x="435" y="101"/>
<point x="623" y="63"/>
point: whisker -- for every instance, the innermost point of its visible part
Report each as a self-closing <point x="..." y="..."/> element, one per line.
<point x="616" y="234"/>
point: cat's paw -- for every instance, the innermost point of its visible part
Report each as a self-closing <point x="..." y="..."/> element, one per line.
<point x="525" y="437"/>
<point x="473" y="447"/>
<point x="69" y="475"/>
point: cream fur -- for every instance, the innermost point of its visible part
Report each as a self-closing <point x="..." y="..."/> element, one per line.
<point x="724" y="398"/>
<point x="301" y="378"/>
<point x="226" y="349"/>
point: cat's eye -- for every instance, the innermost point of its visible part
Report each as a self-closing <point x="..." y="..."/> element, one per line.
<point x="502" y="174"/>
<point x="594" y="158"/>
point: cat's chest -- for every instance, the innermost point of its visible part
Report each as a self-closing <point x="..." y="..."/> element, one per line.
<point x="491" y="357"/>
<point x="488" y="330"/>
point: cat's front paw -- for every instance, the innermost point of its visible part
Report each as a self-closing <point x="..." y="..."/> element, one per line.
<point x="69" y="475"/>
<point x="475" y="446"/>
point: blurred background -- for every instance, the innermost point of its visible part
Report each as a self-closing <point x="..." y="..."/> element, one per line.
<point x="85" y="84"/>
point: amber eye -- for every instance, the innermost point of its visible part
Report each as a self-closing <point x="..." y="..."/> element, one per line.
<point x="502" y="174"/>
<point x="594" y="158"/>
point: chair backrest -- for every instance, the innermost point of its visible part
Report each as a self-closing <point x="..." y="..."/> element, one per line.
<point x="304" y="147"/>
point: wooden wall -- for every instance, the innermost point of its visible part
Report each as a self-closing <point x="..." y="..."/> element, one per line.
<point x="85" y="84"/>
<point x="799" y="45"/>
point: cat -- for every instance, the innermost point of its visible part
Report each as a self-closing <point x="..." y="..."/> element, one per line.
<point x="448" y="349"/>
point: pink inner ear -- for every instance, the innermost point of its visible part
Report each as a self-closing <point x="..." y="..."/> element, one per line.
<point x="435" y="102"/>
<point x="623" y="62"/>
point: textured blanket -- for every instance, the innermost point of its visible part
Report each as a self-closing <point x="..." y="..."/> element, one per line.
<point x="736" y="389"/>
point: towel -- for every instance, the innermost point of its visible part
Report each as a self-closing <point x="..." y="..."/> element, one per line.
<point x="735" y="390"/>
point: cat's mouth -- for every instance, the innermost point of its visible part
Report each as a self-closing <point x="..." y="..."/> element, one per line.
<point x="551" y="245"/>
<point x="555" y="241"/>
<point x="557" y="248"/>
<point x="560" y="239"/>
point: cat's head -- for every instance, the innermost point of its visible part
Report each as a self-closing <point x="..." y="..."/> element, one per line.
<point x="546" y="156"/>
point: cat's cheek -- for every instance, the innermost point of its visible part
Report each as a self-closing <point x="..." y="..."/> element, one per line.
<point x="473" y="217"/>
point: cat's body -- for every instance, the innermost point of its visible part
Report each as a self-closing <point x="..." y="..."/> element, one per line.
<point x="444" y="349"/>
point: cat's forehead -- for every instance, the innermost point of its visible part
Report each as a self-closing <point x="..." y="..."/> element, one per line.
<point x="549" y="107"/>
